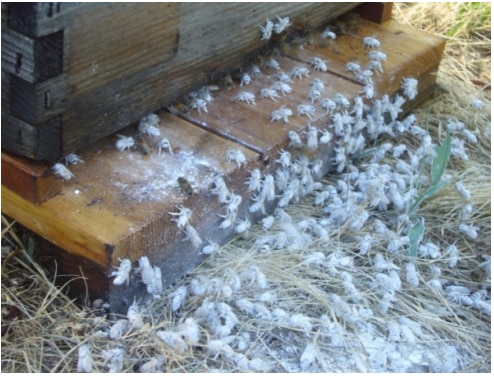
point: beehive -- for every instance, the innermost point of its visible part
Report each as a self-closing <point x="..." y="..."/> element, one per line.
<point x="120" y="204"/>
<point x="73" y="73"/>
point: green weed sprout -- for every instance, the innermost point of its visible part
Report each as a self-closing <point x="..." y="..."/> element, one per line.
<point x="439" y="163"/>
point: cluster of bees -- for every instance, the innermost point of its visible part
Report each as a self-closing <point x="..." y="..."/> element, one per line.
<point x="375" y="185"/>
<point x="296" y="174"/>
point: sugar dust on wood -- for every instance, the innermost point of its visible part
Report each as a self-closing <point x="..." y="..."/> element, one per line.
<point x="160" y="176"/>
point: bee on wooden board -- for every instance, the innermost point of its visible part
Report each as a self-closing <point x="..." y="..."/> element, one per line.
<point x="143" y="145"/>
<point x="177" y="108"/>
<point x="327" y="39"/>
<point x="348" y="24"/>
<point x="185" y="186"/>
<point x="228" y="82"/>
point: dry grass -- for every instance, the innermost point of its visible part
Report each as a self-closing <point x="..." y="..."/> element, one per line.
<point x="48" y="328"/>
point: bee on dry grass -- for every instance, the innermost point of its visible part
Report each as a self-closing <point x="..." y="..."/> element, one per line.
<point x="178" y="298"/>
<point x="153" y="365"/>
<point x="134" y="315"/>
<point x="308" y="356"/>
<point x="85" y="362"/>
<point x="118" y="328"/>
<point x="115" y="357"/>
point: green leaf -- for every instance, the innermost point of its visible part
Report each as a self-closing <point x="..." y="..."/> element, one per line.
<point x="441" y="159"/>
<point x="471" y="15"/>
<point x="363" y="154"/>
<point x="30" y="247"/>
<point x="415" y="235"/>
<point x="424" y="196"/>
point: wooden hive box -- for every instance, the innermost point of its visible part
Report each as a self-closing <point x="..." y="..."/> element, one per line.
<point x="120" y="204"/>
<point x="73" y="73"/>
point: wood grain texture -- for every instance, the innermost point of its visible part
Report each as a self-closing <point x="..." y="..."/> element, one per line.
<point x="22" y="138"/>
<point x="40" y="19"/>
<point x="203" y="48"/>
<point x="251" y="125"/>
<point x="149" y="55"/>
<point x="118" y="41"/>
<point x="33" y="60"/>
<point x="123" y="201"/>
<point x="39" y="102"/>
<point x="33" y="181"/>
<point x="409" y="52"/>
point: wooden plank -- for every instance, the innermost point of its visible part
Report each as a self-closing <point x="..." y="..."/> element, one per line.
<point x="31" y="180"/>
<point x="39" y="102"/>
<point x="251" y="125"/>
<point x="73" y="265"/>
<point x="119" y="209"/>
<point x="40" y="19"/>
<point x="145" y="58"/>
<point x="409" y="52"/>
<point x="5" y="93"/>
<point x="110" y="43"/>
<point x="33" y="60"/>
<point x="377" y="12"/>
<point x="42" y="142"/>
<point x="204" y="47"/>
<point x="119" y="204"/>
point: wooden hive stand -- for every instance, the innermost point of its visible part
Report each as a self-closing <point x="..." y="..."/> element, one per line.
<point x="119" y="204"/>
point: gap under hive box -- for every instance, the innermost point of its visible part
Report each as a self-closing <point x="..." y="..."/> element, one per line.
<point x="119" y="203"/>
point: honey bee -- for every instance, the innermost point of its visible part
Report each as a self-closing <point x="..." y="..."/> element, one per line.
<point x="142" y="144"/>
<point x="348" y="24"/>
<point x="185" y="186"/>
<point x="228" y="81"/>
<point x="177" y="108"/>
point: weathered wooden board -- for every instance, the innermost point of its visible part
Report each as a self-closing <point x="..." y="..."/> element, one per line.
<point x="33" y="60"/>
<point x="252" y="125"/>
<point x="41" y="19"/>
<point x="23" y="135"/>
<point x="376" y="12"/>
<point x="121" y="61"/>
<point x="114" y="193"/>
<point x="119" y="204"/>
<point x="409" y="52"/>
<point x="34" y="181"/>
